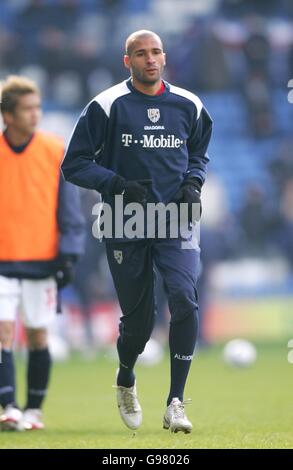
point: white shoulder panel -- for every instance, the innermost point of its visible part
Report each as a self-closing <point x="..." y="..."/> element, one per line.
<point x="188" y="95"/>
<point x="107" y="97"/>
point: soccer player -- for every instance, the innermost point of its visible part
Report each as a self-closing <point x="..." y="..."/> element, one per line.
<point x="41" y="235"/>
<point x="147" y="140"/>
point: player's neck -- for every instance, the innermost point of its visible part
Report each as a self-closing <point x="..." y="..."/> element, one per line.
<point x="16" y="137"/>
<point x="147" y="88"/>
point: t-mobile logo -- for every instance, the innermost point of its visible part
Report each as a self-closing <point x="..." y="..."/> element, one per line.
<point x="153" y="141"/>
<point x="181" y="357"/>
<point x="126" y="139"/>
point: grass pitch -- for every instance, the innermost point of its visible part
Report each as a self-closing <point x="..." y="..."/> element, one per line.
<point x="231" y="408"/>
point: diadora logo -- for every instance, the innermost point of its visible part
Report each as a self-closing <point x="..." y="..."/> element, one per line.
<point x="153" y="114"/>
<point x="181" y="357"/>
<point x="153" y="141"/>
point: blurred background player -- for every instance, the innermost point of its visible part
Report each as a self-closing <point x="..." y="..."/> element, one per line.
<point x="100" y="157"/>
<point x="41" y="236"/>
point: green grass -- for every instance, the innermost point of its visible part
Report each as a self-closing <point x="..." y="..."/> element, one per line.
<point x="230" y="408"/>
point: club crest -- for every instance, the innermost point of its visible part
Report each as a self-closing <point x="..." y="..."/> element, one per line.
<point x="153" y="114"/>
<point x="118" y="255"/>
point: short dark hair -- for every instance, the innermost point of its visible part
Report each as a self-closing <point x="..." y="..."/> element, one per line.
<point x="14" y="87"/>
<point x="130" y="41"/>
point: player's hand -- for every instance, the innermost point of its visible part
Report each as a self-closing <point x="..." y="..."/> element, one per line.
<point x="65" y="270"/>
<point x="190" y="193"/>
<point x="132" y="191"/>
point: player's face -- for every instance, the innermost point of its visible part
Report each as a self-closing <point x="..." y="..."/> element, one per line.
<point x="27" y="114"/>
<point x="147" y="60"/>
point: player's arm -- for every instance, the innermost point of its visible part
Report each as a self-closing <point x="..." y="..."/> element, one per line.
<point x="79" y="165"/>
<point x="71" y="226"/>
<point x="197" y="145"/>
<point x="71" y="223"/>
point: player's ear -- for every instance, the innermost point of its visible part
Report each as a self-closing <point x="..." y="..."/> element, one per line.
<point x="7" y="118"/>
<point x="164" y="58"/>
<point x="126" y="61"/>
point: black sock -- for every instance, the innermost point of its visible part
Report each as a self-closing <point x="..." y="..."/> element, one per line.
<point x="38" y="372"/>
<point x="182" y="340"/>
<point x="127" y="358"/>
<point x="7" y="379"/>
